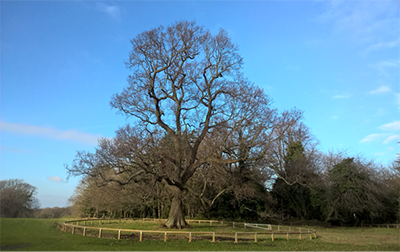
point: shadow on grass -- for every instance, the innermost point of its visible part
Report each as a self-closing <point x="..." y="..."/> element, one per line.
<point x="15" y="246"/>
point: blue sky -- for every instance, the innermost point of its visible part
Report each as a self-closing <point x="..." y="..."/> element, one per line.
<point x="61" y="61"/>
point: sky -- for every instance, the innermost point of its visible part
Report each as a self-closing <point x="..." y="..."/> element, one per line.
<point x="61" y="61"/>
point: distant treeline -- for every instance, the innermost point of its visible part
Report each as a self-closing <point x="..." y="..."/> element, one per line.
<point x="304" y="185"/>
<point x="17" y="200"/>
<point x="52" y="212"/>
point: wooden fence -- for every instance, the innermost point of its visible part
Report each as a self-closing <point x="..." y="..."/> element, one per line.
<point x="271" y="231"/>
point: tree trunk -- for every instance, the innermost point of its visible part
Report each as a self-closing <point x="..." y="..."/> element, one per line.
<point x="176" y="218"/>
<point x="159" y="209"/>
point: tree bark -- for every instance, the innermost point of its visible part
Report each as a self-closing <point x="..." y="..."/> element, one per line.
<point x="176" y="218"/>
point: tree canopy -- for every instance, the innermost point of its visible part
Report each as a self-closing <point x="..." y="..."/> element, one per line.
<point x="17" y="198"/>
<point x="191" y="107"/>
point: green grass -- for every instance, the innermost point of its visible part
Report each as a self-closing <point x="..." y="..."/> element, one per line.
<point x="42" y="234"/>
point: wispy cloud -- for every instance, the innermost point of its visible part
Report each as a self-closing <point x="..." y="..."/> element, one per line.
<point x="14" y="150"/>
<point x="55" y="179"/>
<point x="26" y="129"/>
<point x="382" y="45"/>
<point x="381" y="89"/>
<point x="341" y="96"/>
<point x="373" y="137"/>
<point x="362" y="21"/>
<point x="113" y="11"/>
<point x="392" y="134"/>
<point x="391" y="138"/>
<point x="383" y="66"/>
<point x="391" y="126"/>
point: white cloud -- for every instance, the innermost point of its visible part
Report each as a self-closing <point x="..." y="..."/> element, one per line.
<point x="55" y="179"/>
<point x="112" y="10"/>
<point x="361" y="21"/>
<point x="394" y="126"/>
<point x="382" y="45"/>
<point x="14" y="150"/>
<point x="381" y="89"/>
<point x="341" y="96"/>
<point x="391" y="138"/>
<point x="373" y="137"/>
<point x="49" y="132"/>
<point x="392" y="129"/>
<point x="383" y="66"/>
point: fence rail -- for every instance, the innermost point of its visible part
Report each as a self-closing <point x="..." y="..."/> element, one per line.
<point x="268" y="230"/>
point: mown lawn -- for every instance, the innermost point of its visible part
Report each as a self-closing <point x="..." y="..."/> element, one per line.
<point x="43" y="235"/>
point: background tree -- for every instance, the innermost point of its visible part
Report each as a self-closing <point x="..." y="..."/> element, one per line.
<point x="355" y="193"/>
<point x="297" y="188"/>
<point x="17" y="199"/>
<point x="186" y="87"/>
<point x="392" y="188"/>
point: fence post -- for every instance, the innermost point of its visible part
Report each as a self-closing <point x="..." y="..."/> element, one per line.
<point x="236" y="237"/>
<point x="84" y="231"/>
<point x="233" y="224"/>
<point x="119" y="234"/>
<point x="272" y="236"/>
<point x="255" y="237"/>
<point x="190" y="236"/>
<point x="141" y="236"/>
<point x="287" y="236"/>
<point x="165" y="237"/>
<point x="213" y="238"/>
<point x="73" y="229"/>
<point x="100" y="233"/>
<point x="300" y="236"/>
<point x="279" y="228"/>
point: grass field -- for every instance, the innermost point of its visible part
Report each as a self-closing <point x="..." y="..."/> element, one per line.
<point x="43" y="234"/>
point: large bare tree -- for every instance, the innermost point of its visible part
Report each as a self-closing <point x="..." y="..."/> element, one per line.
<point x="191" y="107"/>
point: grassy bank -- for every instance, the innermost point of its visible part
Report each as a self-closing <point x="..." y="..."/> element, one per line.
<point x="42" y="234"/>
